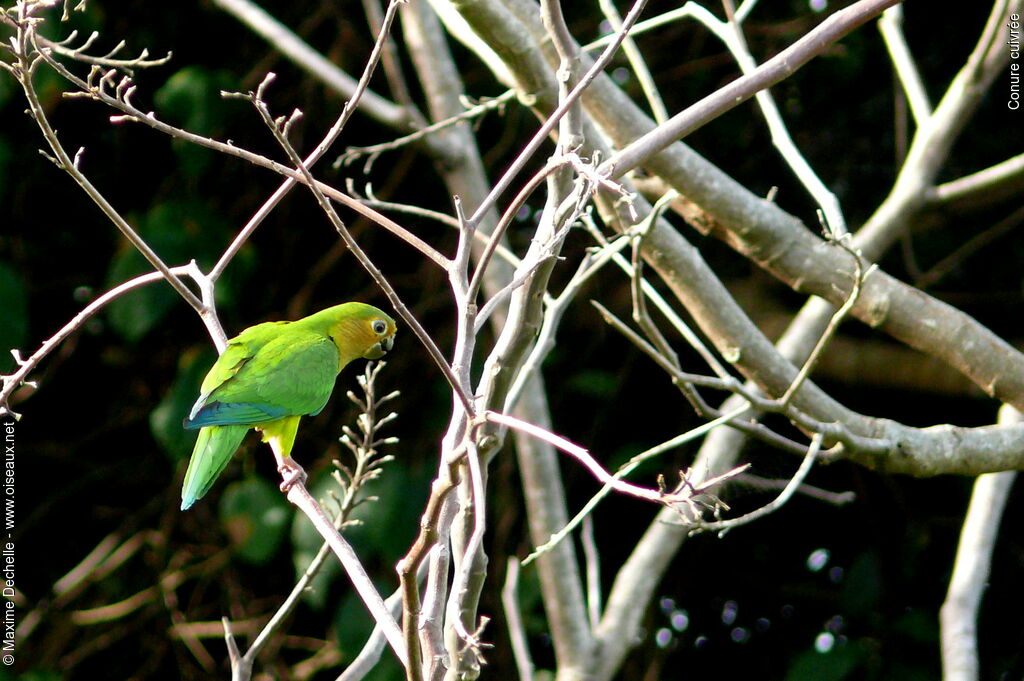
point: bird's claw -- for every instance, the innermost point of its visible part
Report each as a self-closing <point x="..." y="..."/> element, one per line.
<point x="291" y="474"/>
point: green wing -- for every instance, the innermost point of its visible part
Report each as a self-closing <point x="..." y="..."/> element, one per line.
<point x="291" y="375"/>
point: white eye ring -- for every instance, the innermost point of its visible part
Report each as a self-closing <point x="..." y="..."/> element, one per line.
<point x="379" y="327"/>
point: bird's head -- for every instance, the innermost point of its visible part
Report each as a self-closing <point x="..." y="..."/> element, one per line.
<point x="359" y="330"/>
<point x="383" y="329"/>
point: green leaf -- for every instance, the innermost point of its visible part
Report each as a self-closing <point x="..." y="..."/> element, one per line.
<point x="594" y="383"/>
<point x="191" y="99"/>
<point x="178" y="231"/>
<point x="6" y="91"/>
<point x="862" y="588"/>
<point x="5" y="158"/>
<point x="165" y="421"/>
<point x="255" y="515"/>
<point x="835" y="665"/>
<point x="306" y="542"/>
<point x="394" y="509"/>
<point x="917" y="625"/>
<point x="352" y="626"/>
<point x="30" y="675"/>
<point x="14" y="303"/>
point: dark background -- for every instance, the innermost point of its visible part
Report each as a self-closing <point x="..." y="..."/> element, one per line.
<point x="100" y="454"/>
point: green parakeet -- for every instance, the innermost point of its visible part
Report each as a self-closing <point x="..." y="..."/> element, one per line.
<point x="271" y="375"/>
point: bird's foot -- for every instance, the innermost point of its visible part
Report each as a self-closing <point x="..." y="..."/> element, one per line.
<point x="291" y="474"/>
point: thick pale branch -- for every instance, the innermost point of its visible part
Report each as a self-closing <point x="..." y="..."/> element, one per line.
<point x="735" y="93"/>
<point x="796" y="256"/>
<point x="923" y="452"/>
<point x="959" y="614"/>
<point x="996" y="183"/>
<point x="781" y="243"/>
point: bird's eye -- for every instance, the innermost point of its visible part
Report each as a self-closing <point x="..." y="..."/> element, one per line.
<point x="379" y="327"/>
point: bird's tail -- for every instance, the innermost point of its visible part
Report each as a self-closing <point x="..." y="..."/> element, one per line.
<point x="211" y="455"/>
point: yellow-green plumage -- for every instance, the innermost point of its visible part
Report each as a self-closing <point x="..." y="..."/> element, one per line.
<point x="271" y="375"/>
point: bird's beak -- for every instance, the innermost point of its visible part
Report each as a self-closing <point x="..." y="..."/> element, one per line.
<point x="380" y="348"/>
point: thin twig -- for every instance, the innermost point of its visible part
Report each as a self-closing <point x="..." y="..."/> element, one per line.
<point x="637" y="62"/>
<point x="80" y="54"/>
<point x="625" y="470"/>
<point x="743" y="88"/>
<point x="977" y="242"/>
<point x="891" y="27"/>
<point x="672" y="499"/>
<point x="514" y="619"/>
<point x="688" y="334"/>
<point x="994" y="183"/>
<point x="475" y="111"/>
<point x="12" y="381"/>
<point x="723" y="526"/>
<point x="26" y="47"/>
<point x="817" y="493"/>
<point x="357" y="251"/>
<point x="732" y="35"/>
<point x="592" y="560"/>
<point x="564" y="105"/>
<point x="640" y="313"/>
<point x="859" y="275"/>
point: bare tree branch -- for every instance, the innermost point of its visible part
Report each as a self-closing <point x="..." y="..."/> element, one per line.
<point x="285" y="41"/>
<point x="771" y="72"/>
<point x="959" y="614"/>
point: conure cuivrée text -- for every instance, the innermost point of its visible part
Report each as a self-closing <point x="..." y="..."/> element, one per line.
<point x="269" y="377"/>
